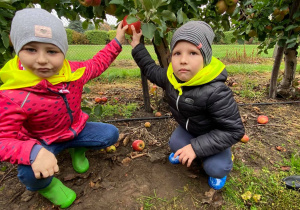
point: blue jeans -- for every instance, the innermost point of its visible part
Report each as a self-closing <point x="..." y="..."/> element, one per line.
<point x="95" y="135"/>
<point x="217" y="166"/>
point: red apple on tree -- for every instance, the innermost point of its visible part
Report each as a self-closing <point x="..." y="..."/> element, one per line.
<point x="262" y="119"/>
<point x="221" y="7"/>
<point x="245" y="139"/>
<point x="96" y="3"/>
<point x="138" y="145"/>
<point x="86" y="3"/>
<point x="131" y="21"/>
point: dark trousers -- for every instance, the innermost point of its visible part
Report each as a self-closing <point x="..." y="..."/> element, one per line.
<point x="95" y="135"/>
<point x="217" y="166"/>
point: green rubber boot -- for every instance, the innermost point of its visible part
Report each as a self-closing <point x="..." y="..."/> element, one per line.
<point x="58" y="193"/>
<point x="79" y="161"/>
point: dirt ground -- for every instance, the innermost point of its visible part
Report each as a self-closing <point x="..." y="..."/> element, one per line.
<point x="126" y="180"/>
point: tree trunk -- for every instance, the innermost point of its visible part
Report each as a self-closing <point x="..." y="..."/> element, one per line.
<point x="146" y="95"/>
<point x="275" y="70"/>
<point x="285" y="88"/>
<point x="163" y="53"/>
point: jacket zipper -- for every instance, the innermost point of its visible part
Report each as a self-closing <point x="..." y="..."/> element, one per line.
<point x="68" y="108"/>
<point x="177" y="101"/>
<point x="187" y="124"/>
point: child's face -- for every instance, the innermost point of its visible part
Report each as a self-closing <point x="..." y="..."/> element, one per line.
<point x="186" y="60"/>
<point x="42" y="59"/>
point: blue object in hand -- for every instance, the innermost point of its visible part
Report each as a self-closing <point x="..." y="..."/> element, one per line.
<point x="173" y="160"/>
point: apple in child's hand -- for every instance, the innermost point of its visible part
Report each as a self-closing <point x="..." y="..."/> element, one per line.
<point x="111" y="149"/>
<point x="245" y="139"/>
<point x="131" y="21"/>
<point x="262" y="119"/>
<point x="138" y="145"/>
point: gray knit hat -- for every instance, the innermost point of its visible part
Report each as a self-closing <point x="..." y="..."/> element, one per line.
<point x="37" y="25"/>
<point x="198" y="33"/>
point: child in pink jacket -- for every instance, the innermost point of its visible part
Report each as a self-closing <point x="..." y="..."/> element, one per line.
<point x="40" y="113"/>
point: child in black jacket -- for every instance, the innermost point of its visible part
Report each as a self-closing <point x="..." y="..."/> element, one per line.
<point x="204" y="107"/>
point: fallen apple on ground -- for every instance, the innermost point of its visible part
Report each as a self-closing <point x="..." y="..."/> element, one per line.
<point x="262" y="119"/>
<point x="97" y="99"/>
<point x="104" y="99"/>
<point x="157" y="114"/>
<point x="111" y="149"/>
<point x="245" y="139"/>
<point x="147" y="124"/>
<point x="136" y="24"/>
<point x="138" y="145"/>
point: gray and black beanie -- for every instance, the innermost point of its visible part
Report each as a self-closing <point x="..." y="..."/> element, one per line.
<point x="198" y="33"/>
<point x="37" y="25"/>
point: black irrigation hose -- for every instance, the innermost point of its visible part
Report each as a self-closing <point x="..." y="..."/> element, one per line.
<point x="166" y="117"/>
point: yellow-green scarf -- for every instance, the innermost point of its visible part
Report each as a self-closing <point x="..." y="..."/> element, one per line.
<point x="205" y="75"/>
<point x="14" y="78"/>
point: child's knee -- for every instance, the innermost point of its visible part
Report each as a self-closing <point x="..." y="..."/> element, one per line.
<point x="114" y="134"/>
<point x="217" y="170"/>
<point x="26" y="176"/>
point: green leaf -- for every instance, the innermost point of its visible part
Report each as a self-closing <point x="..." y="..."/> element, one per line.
<point x="296" y="14"/>
<point x="5" y="39"/>
<point x="290" y="27"/>
<point x="181" y="16"/>
<point x="278" y="27"/>
<point x="117" y="2"/>
<point x="291" y="45"/>
<point x="131" y="19"/>
<point x="7" y="6"/>
<point x="98" y="110"/>
<point x="86" y="110"/>
<point x="148" y="30"/>
<point x="147" y="4"/>
<point x="291" y="40"/>
<point x="168" y="15"/>
<point x="86" y="89"/>
<point x="85" y="24"/>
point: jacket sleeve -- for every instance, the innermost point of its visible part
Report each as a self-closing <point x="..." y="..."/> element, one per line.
<point x="155" y="73"/>
<point x="12" y="148"/>
<point x="100" y="62"/>
<point x="229" y="128"/>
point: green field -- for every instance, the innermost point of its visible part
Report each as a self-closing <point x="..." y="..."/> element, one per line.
<point x="84" y="52"/>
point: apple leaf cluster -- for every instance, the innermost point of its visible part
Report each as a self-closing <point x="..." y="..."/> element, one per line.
<point x="270" y="22"/>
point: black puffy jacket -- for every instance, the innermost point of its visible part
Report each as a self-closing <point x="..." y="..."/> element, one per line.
<point x="208" y="112"/>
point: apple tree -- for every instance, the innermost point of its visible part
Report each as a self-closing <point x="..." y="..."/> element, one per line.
<point x="274" y="23"/>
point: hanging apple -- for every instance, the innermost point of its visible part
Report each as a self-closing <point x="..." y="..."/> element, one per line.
<point x="136" y="24"/>
<point x="88" y="3"/>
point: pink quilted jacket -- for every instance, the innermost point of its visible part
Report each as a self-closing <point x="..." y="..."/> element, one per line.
<point x="41" y="113"/>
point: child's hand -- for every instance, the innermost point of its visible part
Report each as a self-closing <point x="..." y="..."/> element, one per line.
<point x="186" y="155"/>
<point x="136" y="37"/>
<point x="121" y="32"/>
<point x="45" y="164"/>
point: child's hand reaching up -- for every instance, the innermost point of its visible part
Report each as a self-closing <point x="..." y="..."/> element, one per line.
<point x="45" y="164"/>
<point x="136" y="37"/>
<point x="186" y="155"/>
<point x="121" y="32"/>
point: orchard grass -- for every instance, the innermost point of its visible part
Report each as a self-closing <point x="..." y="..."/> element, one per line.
<point x="84" y="52"/>
<point x="264" y="183"/>
<point x="267" y="184"/>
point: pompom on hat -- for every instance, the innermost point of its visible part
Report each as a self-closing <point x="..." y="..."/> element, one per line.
<point x="198" y="33"/>
<point x="37" y="25"/>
